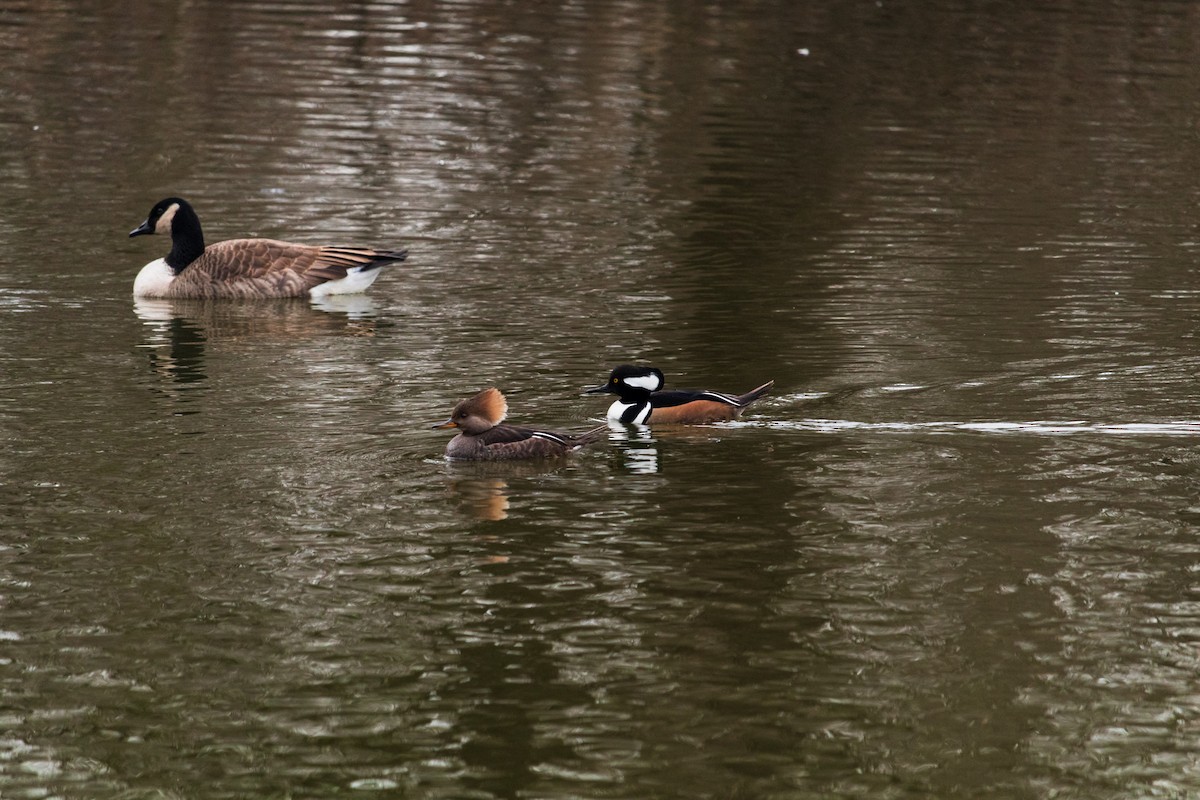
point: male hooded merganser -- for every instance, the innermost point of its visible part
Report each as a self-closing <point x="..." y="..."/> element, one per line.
<point x="642" y="401"/>
<point x="482" y="438"/>
<point x="248" y="268"/>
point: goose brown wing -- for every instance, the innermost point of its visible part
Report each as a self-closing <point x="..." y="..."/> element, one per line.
<point x="332" y="263"/>
<point x="271" y="268"/>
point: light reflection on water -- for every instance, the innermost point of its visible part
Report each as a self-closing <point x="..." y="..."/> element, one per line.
<point x="952" y="555"/>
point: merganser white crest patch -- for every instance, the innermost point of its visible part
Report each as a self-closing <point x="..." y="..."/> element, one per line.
<point x="650" y="383"/>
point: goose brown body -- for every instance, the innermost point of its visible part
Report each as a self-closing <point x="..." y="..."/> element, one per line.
<point x="256" y="268"/>
<point x="482" y="437"/>
<point x="248" y="268"/>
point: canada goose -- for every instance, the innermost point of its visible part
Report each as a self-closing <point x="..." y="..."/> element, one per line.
<point x="248" y="268"/>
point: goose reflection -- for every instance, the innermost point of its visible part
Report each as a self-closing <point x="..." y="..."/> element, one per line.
<point x="353" y="306"/>
<point x="265" y="319"/>
<point x="174" y="344"/>
<point x="177" y="331"/>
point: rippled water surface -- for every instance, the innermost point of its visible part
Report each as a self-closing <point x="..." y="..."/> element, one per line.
<point x="955" y="553"/>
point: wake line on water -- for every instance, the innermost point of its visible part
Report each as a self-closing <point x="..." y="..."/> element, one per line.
<point x="1037" y="427"/>
<point x="1030" y="428"/>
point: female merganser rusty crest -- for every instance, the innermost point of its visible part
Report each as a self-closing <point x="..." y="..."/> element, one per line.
<point x="642" y="401"/>
<point x="481" y="437"/>
<point x="248" y="268"/>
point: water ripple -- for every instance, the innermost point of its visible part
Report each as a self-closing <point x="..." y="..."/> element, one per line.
<point x="1030" y="428"/>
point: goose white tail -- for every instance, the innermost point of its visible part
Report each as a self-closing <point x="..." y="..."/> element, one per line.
<point x="357" y="281"/>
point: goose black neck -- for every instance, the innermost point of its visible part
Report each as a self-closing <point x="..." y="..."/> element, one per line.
<point x="187" y="239"/>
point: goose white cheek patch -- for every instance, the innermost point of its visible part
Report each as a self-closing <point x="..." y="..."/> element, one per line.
<point x="163" y="226"/>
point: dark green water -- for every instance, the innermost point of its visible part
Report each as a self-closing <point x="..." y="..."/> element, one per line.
<point x="956" y="553"/>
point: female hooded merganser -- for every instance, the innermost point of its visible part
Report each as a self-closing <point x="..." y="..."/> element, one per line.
<point x="482" y="438"/>
<point x="642" y="401"/>
<point x="248" y="268"/>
